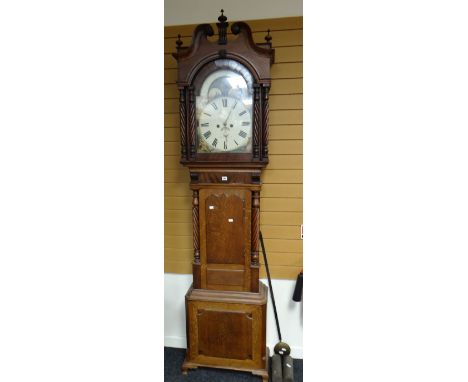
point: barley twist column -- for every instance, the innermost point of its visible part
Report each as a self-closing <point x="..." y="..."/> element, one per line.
<point x="183" y="123"/>
<point x="256" y="121"/>
<point x="196" y="233"/>
<point x="192" y="138"/>
<point x="254" y="264"/>
<point x="196" y="241"/>
<point x="266" y="112"/>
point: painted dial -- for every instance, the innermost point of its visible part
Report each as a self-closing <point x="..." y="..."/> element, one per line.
<point x="224" y="109"/>
<point x="225" y="124"/>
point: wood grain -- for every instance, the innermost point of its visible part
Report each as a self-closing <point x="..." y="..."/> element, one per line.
<point x="227" y="330"/>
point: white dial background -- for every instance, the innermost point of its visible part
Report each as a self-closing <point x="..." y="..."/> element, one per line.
<point x="225" y="124"/>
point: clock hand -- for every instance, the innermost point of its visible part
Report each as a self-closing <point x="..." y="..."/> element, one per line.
<point x="230" y="111"/>
<point x="225" y="122"/>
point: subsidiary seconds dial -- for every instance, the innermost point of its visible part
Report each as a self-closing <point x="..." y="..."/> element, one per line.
<point x="225" y="124"/>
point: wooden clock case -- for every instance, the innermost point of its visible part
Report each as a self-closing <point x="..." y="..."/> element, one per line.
<point x="226" y="304"/>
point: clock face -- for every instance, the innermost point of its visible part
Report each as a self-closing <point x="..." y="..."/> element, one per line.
<point x="224" y="109"/>
<point x="225" y="124"/>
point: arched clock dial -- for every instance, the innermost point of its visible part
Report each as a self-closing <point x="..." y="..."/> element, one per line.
<point x="224" y="109"/>
<point x="225" y="124"/>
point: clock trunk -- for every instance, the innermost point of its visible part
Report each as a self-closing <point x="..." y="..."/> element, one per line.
<point x="225" y="238"/>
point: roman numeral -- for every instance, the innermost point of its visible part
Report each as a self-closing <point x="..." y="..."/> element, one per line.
<point x="242" y="133"/>
<point x="224" y="102"/>
<point x="244" y="123"/>
<point x="225" y="145"/>
<point x="234" y="105"/>
<point x="209" y="115"/>
<point x="236" y="143"/>
<point x="214" y="106"/>
<point x="206" y="124"/>
<point x="242" y="112"/>
<point x="207" y="134"/>
<point x="215" y="142"/>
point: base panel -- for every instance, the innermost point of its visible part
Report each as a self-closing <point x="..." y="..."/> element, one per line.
<point x="227" y="330"/>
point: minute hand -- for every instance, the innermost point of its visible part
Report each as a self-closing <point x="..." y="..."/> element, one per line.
<point x="230" y="111"/>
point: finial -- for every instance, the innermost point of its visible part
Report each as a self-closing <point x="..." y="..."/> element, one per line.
<point x="222" y="28"/>
<point x="179" y="42"/>
<point x="268" y="37"/>
<point x="222" y="18"/>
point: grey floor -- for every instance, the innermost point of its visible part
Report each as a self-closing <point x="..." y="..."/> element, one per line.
<point x="173" y="359"/>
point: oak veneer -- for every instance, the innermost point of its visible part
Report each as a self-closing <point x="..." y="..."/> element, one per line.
<point x="239" y="321"/>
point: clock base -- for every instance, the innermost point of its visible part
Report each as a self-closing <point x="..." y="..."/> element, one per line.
<point x="263" y="373"/>
<point x="227" y="330"/>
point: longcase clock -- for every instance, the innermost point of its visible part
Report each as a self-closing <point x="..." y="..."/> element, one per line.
<point x="224" y="88"/>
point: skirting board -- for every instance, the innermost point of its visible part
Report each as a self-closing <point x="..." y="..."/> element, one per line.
<point x="289" y="313"/>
